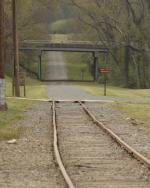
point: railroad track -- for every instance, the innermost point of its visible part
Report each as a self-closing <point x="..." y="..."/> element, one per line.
<point x="74" y="118"/>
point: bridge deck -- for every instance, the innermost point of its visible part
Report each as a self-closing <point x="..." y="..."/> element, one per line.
<point x="63" y="46"/>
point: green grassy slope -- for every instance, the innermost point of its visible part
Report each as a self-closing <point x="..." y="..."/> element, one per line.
<point x="78" y="66"/>
<point x="137" y="108"/>
<point x="97" y="89"/>
<point x="16" y="108"/>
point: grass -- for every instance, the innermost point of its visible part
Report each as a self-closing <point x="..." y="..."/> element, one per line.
<point x="77" y="67"/>
<point x="78" y="71"/>
<point x="97" y="89"/>
<point x="14" y="113"/>
<point x="137" y="108"/>
<point x="138" y="112"/>
<point x="16" y="108"/>
<point x="34" y="89"/>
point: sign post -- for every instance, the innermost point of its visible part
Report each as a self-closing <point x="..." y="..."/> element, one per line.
<point x="105" y="85"/>
<point x="105" y="71"/>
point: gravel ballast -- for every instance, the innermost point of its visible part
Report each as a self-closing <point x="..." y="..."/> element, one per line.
<point x="90" y="156"/>
<point x="29" y="163"/>
<point x="134" y="135"/>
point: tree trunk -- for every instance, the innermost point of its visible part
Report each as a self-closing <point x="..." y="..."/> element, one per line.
<point x="148" y="3"/>
<point x="2" y="47"/>
<point x="2" y="94"/>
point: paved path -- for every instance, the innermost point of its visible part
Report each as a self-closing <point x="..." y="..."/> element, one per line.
<point x="56" y="68"/>
<point x="62" y="90"/>
<point x="72" y="91"/>
<point x="69" y="91"/>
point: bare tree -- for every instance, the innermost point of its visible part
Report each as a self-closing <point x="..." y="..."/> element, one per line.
<point x="121" y="26"/>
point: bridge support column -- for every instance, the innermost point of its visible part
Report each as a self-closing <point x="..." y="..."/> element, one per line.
<point x="95" y="60"/>
<point x="40" y="67"/>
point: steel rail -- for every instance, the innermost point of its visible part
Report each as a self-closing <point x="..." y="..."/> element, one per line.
<point x="56" y="151"/>
<point x="116" y="138"/>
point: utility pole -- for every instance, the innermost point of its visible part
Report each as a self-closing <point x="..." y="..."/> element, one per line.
<point x="2" y="59"/>
<point x="16" y="80"/>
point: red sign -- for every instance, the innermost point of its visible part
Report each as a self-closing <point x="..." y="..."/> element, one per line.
<point x="104" y="70"/>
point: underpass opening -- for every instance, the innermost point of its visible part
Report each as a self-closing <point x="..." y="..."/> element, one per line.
<point x="72" y="61"/>
<point x="67" y="66"/>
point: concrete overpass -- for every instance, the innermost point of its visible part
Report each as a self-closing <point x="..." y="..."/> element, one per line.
<point x="69" y="46"/>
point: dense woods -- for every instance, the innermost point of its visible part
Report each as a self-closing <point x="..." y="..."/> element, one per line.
<point x="120" y="25"/>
